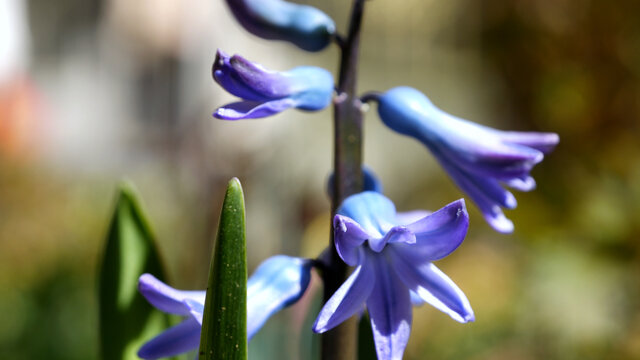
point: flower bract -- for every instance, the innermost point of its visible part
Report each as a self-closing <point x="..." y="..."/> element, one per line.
<point x="393" y="259"/>
<point x="479" y="159"/>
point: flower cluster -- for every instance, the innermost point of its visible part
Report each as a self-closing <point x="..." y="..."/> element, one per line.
<point x="392" y="252"/>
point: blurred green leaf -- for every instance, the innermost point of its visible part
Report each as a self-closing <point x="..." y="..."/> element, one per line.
<point x="224" y="322"/>
<point x="126" y="319"/>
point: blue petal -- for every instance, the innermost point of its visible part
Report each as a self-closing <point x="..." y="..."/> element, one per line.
<point x="397" y="234"/>
<point x="426" y="280"/>
<point x="173" y="341"/>
<point x="166" y="298"/>
<point x="439" y="234"/>
<point x="544" y="142"/>
<point x="416" y="300"/>
<point x="348" y="236"/>
<point x="278" y="282"/>
<point x="526" y="183"/>
<point x="374" y="212"/>
<point x="389" y="307"/>
<point x="482" y="152"/>
<point x="252" y="109"/>
<point x="348" y="299"/>
<point x="474" y="187"/>
<point x="249" y="80"/>
<point x="312" y="87"/>
<point x="196" y="309"/>
<point x="408" y="217"/>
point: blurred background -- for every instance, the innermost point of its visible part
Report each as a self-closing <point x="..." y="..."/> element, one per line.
<point x="95" y="91"/>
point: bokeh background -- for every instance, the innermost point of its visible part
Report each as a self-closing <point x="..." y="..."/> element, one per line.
<point x="95" y="91"/>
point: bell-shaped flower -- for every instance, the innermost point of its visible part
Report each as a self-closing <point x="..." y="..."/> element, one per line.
<point x="278" y="282"/>
<point x="478" y="158"/>
<point x="305" y="26"/>
<point x="266" y="92"/>
<point x="393" y="259"/>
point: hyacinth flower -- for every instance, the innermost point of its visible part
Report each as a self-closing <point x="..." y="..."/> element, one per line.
<point x="393" y="260"/>
<point x="266" y="92"/>
<point x="277" y="283"/>
<point x="478" y="158"/>
<point x="305" y="26"/>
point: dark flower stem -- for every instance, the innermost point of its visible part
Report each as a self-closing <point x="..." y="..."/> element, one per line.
<point x="341" y="342"/>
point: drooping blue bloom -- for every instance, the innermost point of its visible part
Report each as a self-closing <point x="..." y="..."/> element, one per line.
<point x="393" y="259"/>
<point x="478" y="158"/>
<point x="266" y="92"/>
<point x="305" y="26"/>
<point x="278" y="282"/>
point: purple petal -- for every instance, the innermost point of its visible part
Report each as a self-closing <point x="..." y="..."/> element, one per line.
<point x="248" y="80"/>
<point x="166" y="298"/>
<point x="490" y="208"/>
<point x="439" y="234"/>
<point x="196" y="309"/>
<point x="478" y="149"/>
<point x="407" y="217"/>
<point x="253" y="109"/>
<point x="348" y="236"/>
<point x="544" y="142"/>
<point x="416" y="300"/>
<point x="503" y="161"/>
<point x="389" y="307"/>
<point x="373" y="211"/>
<point x="397" y="234"/>
<point x="431" y="284"/>
<point x="278" y="282"/>
<point x="173" y="341"/>
<point x="526" y="183"/>
<point x="348" y="299"/>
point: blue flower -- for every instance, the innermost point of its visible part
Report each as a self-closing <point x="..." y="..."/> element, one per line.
<point x="305" y="26"/>
<point x="478" y="158"/>
<point x="393" y="259"/>
<point x="278" y="282"/>
<point x="265" y="92"/>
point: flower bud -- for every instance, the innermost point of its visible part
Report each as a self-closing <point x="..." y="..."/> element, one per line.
<point x="305" y="26"/>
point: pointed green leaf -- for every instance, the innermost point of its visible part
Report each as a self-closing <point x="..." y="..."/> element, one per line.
<point x="224" y="323"/>
<point x="126" y="319"/>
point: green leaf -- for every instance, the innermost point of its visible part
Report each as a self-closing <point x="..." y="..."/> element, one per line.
<point x="224" y="322"/>
<point x="126" y="319"/>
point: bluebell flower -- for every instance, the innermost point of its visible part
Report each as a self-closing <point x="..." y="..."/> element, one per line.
<point x="478" y="158"/>
<point x="305" y="26"/>
<point x="278" y="282"/>
<point x="394" y="259"/>
<point x="266" y="92"/>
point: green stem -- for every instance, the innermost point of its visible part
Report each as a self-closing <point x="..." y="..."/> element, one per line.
<point x="340" y="343"/>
